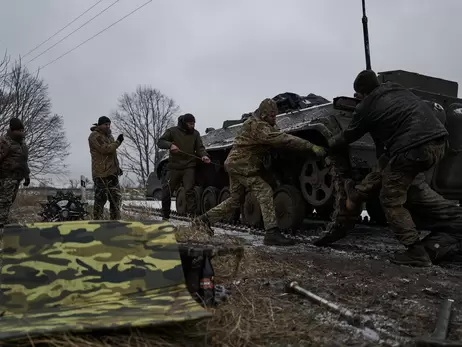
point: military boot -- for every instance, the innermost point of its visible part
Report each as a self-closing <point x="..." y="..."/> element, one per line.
<point x="333" y="233"/>
<point x="203" y="223"/>
<point x="273" y="237"/>
<point x="353" y="201"/>
<point x="415" y="255"/>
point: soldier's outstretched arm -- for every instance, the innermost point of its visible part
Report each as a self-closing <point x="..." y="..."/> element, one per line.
<point x="166" y="140"/>
<point x="99" y="145"/>
<point x="268" y="136"/>
<point x="357" y="128"/>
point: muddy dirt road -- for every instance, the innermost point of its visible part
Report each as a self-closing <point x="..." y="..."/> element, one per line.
<point x="401" y="302"/>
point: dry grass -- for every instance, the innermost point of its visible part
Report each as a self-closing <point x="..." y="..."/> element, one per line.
<point x="258" y="313"/>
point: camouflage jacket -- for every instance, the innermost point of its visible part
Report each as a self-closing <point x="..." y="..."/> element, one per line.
<point x="254" y="141"/>
<point x="14" y="156"/>
<point x="103" y="150"/>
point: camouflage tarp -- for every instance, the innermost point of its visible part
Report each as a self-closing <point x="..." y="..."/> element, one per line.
<point x="84" y="275"/>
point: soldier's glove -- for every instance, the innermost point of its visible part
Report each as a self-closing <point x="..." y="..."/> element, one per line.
<point x="26" y="182"/>
<point x="319" y="151"/>
<point x="120" y="138"/>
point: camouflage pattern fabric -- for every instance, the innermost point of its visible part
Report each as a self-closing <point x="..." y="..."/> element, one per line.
<point x="103" y="150"/>
<point x="86" y="275"/>
<point x="172" y="181"/>
<point x="429" y="210"/>
<point x="342" y="220"/>
<point x="14" y="156"/>
<point x="8" y="191"/>
<point x="256" y="137"/>
<point x="397" y="177"/>
<point x="107" y="189"/>
<point x="237" y="188"/>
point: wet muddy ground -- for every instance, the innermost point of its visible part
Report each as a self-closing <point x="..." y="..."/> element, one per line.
<point x="401" y="302"/>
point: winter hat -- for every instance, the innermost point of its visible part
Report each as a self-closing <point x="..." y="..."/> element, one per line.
<point x="103" y="120"/>
<point x="188" y="117"/>
<point x="16" y="124"/>
<point x="366" y="82"/>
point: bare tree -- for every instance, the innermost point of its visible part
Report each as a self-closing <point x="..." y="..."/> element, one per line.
<point x="25" y="96"/>
<point x="74" y="184"/>
<point x="143" y="116"/>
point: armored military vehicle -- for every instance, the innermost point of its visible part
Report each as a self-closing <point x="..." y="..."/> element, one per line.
<point x="303" y="184"/>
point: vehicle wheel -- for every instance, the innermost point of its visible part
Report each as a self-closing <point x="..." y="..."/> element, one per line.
<point x="198" y="192"/>
<point x="209" y="198"/>
<point x="251" y="211"/>
<point x="375" y="211"/>
<point x="316" y="184"/>
<point x="224" y="194"/>
<point x="181" y="201"/>
<point x="290" y="207"/>
<point x="157" y="194"/>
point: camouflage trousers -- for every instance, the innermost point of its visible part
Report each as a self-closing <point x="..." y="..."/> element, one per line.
<point x="107" y="188"/>
<point x="8" y="192"/>
<point x="237" y="188"/>
<point x="172" y="182"/>
<point x="340" y="169"/>
<point x="397" y="178"/>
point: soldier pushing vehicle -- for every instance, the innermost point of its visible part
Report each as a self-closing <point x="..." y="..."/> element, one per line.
<point x="105" y="169"/>
<point x="185" y="145"/>
<point x="244" y="166"/>
<point x="14" y="167"/>
<point x="406" y="129"/>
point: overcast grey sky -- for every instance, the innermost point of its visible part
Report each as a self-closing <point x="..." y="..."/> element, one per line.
<point x="218" y="59"/>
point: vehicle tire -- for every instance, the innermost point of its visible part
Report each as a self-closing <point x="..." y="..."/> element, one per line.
<point x="316" y="184"/>
<point x="209" y="198"/>
<point x="181" y="201"/>
<point x="290" y="207"/>
<point x="251" y="211"/>
<point x="157" y="194"/>
<point x="225" y="194"/>
<point x="198" y="192"/>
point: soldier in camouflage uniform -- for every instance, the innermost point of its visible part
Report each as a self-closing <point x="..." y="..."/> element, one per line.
<point x="105" y="169"/>
<point x="412" y="137"/>
<point x="14" y="167"/>
<point x="429" y="210"/>
<point x="244" y="165"/>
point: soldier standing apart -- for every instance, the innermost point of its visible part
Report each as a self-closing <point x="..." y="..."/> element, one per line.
<point x="185" y="144"/>
<point x="13" y="167"/>
<point x="412" y="137"/>
<point x="244" y="164"/>
<point x="105" y="169"/>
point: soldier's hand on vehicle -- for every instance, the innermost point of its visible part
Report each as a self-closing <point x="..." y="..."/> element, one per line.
<point x="319" y="151"/>
<point x="26" y="182"/>
<point x="206" y="159"/>
<point x="174" y="148"/>
<point x="120" y="138"/>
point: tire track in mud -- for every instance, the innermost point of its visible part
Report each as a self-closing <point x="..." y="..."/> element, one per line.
<point x="366" y="240"/>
